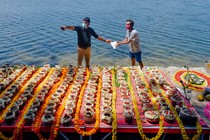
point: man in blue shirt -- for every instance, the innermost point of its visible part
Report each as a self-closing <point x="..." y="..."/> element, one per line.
<point x="84" y="34"/>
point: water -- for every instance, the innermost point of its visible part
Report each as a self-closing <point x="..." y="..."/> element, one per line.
<point x="171" y="32"/>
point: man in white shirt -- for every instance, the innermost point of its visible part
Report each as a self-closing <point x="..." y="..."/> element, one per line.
<point x="132" y="39"/>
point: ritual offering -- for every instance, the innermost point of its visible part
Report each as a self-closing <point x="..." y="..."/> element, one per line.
<point x="129" y="117"/>
<point x="200" y="97"/>
<point x="192" y="79"/>
<point x="188" y="116"/>
<point x="10" y="117"/>
<point x="101" y="99"/>
<point x="176" y="100"/>
<point x="206" y="93"/>
<point x="47" y="119"/>
<point x="29" y="118"/>
<point x="168" y="116"/>
<point x="66" y="120"/>
<point x="106" y="117"/>
<point x="152" y="116"/>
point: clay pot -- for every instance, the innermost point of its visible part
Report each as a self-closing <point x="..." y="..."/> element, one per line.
<point x="107" y="98"/>
<point x="89" y="94"/>
<point x="89" y="117"/>
<point x="90" y="100"/>
<point x="27" y="94"/>
<point x="15" y="109"/>
<point x="40" y="98"/>
<point x="107" y="85"/>
<point x="129" y="116"/>
<point x="36" y="104"/>
<point x="69" y="111"/>
<point x="127" y="103"/>
<point x="106" y="95"/>
<point x="56" y="95"/>
<point x="92" y="91"/>
<point x="6" y="100"/>
<point x="168" y="116"/>
<point x="51" y="105"/>
<point x="2" y="86"/>
<point x="47" y="119"/>
<point x="10" y="117"/>
<point x="107" y="109"/>
<point x="54" y="100"/>
<point x="10" y="91"/>
<point x="105" y="90"/>
<point x="34" y="110"/>
<point x="70" y="105"/>
<point x="176" y="100"/>
<point x="72" y="97"/>
<point x="44" y="91"/>
<point x="31" y="87"/>
<point x="50" y="111"/>
<point x="89" y="109"/>
<point x="89" y="105"/>
<point x="188" y="116"/>
<point x="66" y="120"/>
<point x="29" y="118"/>
<point x="1" y="104"/>
<point x="60" y="91"/>
<point x="127" y="109"/>
<point x="23" y="98"/>
<point x="19" y="103"/>
<point x="15" y="87"/>
<point x="106" y="117"/>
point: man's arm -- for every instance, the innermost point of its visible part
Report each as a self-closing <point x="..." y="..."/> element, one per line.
<point x="67" y="27"/>
<point x="102" y="39"/>
<point x="125" y="41"/>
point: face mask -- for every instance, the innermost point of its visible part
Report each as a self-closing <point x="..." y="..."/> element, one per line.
<point x="84" y="25"/>
<point x="128" y="27"/>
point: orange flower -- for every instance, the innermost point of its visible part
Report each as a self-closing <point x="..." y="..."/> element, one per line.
<point x="97" y="106"/>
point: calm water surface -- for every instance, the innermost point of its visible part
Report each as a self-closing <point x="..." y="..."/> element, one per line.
<point x="172" y="32"/>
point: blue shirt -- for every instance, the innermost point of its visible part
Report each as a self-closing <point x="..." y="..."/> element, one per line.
<point x="84" y="36"/>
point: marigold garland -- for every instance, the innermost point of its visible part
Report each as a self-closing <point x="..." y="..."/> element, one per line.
<point x="138" y="119"/>
<point x="79" y="105"/>
<point x="114" y="115"/>
<point x="3" y="137"/>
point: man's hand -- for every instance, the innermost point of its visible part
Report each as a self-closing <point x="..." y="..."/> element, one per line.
<point x="108" y="41"/>
<point x="117" y="44"/>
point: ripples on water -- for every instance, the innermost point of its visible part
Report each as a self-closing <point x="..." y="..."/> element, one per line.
<point x="171" y="32"/>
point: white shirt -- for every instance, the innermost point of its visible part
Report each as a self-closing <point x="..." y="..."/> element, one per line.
<point x="134" y="45"/>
